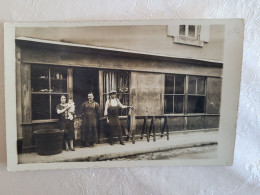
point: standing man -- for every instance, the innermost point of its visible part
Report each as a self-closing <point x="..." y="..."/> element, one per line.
<point x="90" y="112"/>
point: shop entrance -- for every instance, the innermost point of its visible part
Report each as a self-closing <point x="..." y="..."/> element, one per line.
<point x="85" y="81"/>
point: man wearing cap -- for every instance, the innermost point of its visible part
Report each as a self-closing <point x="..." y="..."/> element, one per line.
<point x="111" y="112"/>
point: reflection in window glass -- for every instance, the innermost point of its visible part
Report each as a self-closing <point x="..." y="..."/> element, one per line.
<point x="200" y="85"/>
<point x="182" y="30"/>
<point x="40" y="106"/>
<point x="168" y="104"/>
<point x="179" y="84"/>
<point x="196" y="104"/>
<point x="178" y="104"/>
<point x="169" y="84"/>
<point x="191" y="32"/>
<point x="192" y="85"/>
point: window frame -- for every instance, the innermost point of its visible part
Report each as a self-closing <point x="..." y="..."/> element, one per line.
<point x="196" y="94"/>
<point x="105" y="91"/>
<point x="49" y="93"/>
<point x="196" y="32"/>
<point x="175" y="94"/>
<point x="186" y="95"/>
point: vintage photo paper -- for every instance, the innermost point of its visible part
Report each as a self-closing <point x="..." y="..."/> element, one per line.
<point x="122" y="93"/>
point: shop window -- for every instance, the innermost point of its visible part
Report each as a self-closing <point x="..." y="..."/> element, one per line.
<point x="119" y="81"/>
<point x="196" y="94"/>
<point x="47" y="85"/>
<point x="174" y="93"/>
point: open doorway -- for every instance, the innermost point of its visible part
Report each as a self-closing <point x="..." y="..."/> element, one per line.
<point x="85" y="81"/>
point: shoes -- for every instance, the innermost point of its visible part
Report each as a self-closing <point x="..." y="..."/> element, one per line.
<point x="72" y="149"/>
<point x="122" y="143"/>
<point x="88" y="145"/>
<point x="111" y="143"/>
<point x="67" y="149"/>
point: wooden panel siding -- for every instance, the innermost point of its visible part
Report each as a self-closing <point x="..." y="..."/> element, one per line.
<point x="212" y="122"/>
<point x="18" y="93"/>
<point x="213" y="95"/>
<point x="103" y="61"/>
<point x="26" y="95"/>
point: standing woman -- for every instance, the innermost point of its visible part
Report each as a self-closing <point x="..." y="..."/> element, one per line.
<point x="111" y="111"/>
<point x="65" y="123"/>
<point x="90" y="112"/>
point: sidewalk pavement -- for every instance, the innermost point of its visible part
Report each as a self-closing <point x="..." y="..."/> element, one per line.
<point x="101" y="152"/>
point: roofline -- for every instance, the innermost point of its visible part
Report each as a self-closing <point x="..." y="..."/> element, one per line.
<point x="58" y="43"/>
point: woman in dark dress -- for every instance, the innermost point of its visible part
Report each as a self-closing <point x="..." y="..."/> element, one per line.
<point x="65" y="123"/>
<point x="90" y="113"/>
<point x="111" y="111"/>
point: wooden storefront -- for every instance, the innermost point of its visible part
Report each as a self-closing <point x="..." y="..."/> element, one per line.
<point x="187" y="89"/>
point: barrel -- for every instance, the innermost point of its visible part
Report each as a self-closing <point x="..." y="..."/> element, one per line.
<point x="49" y="141"/>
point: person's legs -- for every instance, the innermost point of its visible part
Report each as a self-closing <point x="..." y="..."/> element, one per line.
<point x="111" y="140"/>
<point x="120" y="140"/>
<point x="66" y="145"/>
<point x="71" y="145"/>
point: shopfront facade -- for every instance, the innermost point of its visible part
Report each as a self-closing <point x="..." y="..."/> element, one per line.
<point x="188" y="89"/>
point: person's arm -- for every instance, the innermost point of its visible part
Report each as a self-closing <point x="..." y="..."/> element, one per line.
<point x="82" y="109"/>
<point x="97" y="110"/>
<point x="60" y="111"/>
<point x="105" y="112"/>
<point x="121" y="105"/>
<point x="106" y="107"/>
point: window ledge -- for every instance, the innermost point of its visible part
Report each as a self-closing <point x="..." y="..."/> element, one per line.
<point x="188" y="41"/>
<point x="41" y="121"/>
<point x="190" y="115"/>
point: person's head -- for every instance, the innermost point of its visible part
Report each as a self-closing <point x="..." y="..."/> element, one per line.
<point x="112" y="94"/>
<point x="70" y="100"/>
<point x="90" y="96"/>
<point x="63" y="99"/>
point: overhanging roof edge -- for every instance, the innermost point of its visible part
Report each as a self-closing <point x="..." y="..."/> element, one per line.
<point x="58" y="43"/>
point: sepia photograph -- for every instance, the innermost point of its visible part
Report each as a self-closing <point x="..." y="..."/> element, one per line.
<point x="121" y="93"/>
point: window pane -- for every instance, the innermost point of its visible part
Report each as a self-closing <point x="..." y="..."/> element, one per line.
<point x="39" y="78"/>
<point x="196" y="104"/>
<point x="192" y="85"/>
<point x="40" y="106"/>
<point x="200" y="85"/>
<point x="169" y="84"/>
<point x="59" y="80"/>
<point x="168" y="104"/>
<point x="178" y="104"/>
<point x="122" y="82"/>
<point x="179" y="84"/>
<point x="182" y="30"/>
<point x="191" y="31"/>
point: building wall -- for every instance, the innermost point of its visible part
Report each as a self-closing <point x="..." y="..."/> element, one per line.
<point x="151" y="39"/>
<point x="146" y="86"/>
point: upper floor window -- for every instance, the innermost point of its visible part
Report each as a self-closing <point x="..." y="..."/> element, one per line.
<point x="195" y="35"/>
<point x="189" y="31"/>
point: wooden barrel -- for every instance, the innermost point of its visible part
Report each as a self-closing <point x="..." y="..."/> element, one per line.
<point x="49" y="141"/>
